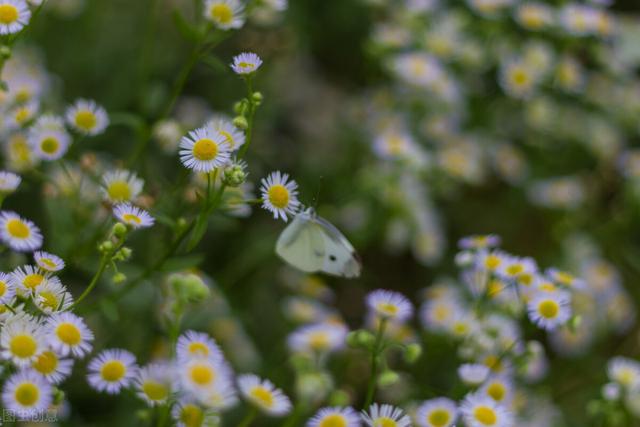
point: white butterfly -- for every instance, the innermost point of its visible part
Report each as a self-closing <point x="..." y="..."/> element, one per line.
<point x="311" y="244"/>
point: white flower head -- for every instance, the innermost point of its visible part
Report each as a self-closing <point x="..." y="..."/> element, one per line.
<point x="112" y="370"/>
<point x="335" y="416"/>
<point x="48" y="262"/>
<point x="133" y="216"/>
<point x="264" y="395"/>
<point x="625" y="372"/>
<point x="439" y="412"/>
<point x="7" y="289"/>
<point x="279" y="195"/>
<point x="27" y="394"/>
<point x="225" y="14"/>
<point x="549" y="309"/>
<point x="22" y="339"/>
<point x="199" y="375"/>
<point x="52" y="366"/>
<point x="87" y="117"/>
<point x="69" y="335"/>
<point x="385" y="415"/>
<point x="204" y="149"/>
<point x="390" y="305"/>
<point x="473" y="374"/>
<point x="20" y="234"/>
<point x="14" y="15"/>
<point x="121" y="186"/>
<point x="318" y="338"/>
<point x="194" y="344"/>
<point x="49" y="144"/>
<point x="52" y="296"/>
<point x="27" y="279"/>
<point x="482" y="411"/>
<point x="233" y="136"/>
<point x="153" y="383"/>
<point x="246" y="63"/>
<point x="9" y="182"/>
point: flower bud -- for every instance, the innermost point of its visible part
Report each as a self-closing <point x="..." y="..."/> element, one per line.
<point x="235" y="174"/>
<point x="240" y="122"/>
<point x="189" y="287"/>
<point x="388" y="378"/>
<point x="257" y="98"/>
<point x="118" y="278"/>
<point x="119" y="230"/>
<point x="339" y="398"/>
<point x="105" y="247"/>
<point x="360" y="338"/>
<point x="412" y="353"/>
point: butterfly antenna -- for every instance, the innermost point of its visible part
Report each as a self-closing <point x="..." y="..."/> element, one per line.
<point x="316" y="199"/>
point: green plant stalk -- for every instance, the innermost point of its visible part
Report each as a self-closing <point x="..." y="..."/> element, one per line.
<point x="375" y="353"/>
<point x="248" y="419"/>
<point x="251" y="115"/>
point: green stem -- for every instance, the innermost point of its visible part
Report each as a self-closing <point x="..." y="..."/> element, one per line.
<point x="248" y="419"/>
<point x="252" y="113"/>
<point x="375" y="354"/>
<point x="163" y="415"/>
<point x="183" y="75"/>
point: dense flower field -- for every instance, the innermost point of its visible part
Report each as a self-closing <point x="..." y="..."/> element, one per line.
<point x="348" y="213"/>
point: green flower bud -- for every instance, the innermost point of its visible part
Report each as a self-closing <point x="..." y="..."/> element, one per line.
<point x="239" y="108"/>
<point x="412" y="353"/>
<point x="339" y="398"/>
<point x="58" y="396"/>
<point x="189" y="287"/>
<point x="118" y="278"/>
<point x="105" y="247"/>
<point x="240" y="122"/>
<point x="234" y="175"/>
<point x="119" y="230"/>
<point x="257" y="98"/>
<point x="5" y="52"/>
<point x="388" y="378"/>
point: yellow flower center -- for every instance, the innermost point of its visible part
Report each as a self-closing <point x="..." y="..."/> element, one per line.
<point x="205" y="149"/>
<point x="119" y="190"/>
<point x="23" y="95"/>
<point x="18" y="229"/>
<point x="221" y="13"/>
<point x="8" y="14"/>
<point x="191" y="416"/>
<point x="23" y="346"/>
<point x="385" y="422"/>
<point x="202" y="374"/>
<point x="32" y="281"/>
<point x="46" y="363"/>
<point x="548" y="309"/>
<point x="155" y="390"/>
<point x="520" y="77"/>
<point x="333" y="420"/>
<point x="68" y="333"/>
<point x="532" y="18"/>
<point x="492" y="262"/>
<point x="263" y="396"/>
<point x="319" y="340"/>
<point x="3" y="288"/>
<point x="439" y="418"/>
<point x="497" y="391"/>
<point x="441" y="313"/>
<point x="49" y="145"/>
<point x="129" y="218"/>
<point x="485" y="415"/>
<point x="564" y="278"/>
<point x="515" y="269"/>
<point x="50" y="264"/>
<point x="27" y="394"/>
<point x="279" y="196"/>
<point x="86" y="120"/>
<point x="198" y="348"/>
<point x="113" y="370"/>
<point x="387" y="309"/>
<point x="48" y="300"/>
<point x="494" y="363"/>
<point x="626" y="377"/>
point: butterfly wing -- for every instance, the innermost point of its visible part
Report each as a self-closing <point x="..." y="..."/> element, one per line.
<point x="340" y="258"/>
<point x="302" y="244"/>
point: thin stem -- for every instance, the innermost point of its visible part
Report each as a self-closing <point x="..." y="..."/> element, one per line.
<point x="375" y="353"/>
<point x="252" y="113"/>
<point x="248" y="419"/>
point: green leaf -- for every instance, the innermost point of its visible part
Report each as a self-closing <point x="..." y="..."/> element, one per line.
<point x="198" y="230"/>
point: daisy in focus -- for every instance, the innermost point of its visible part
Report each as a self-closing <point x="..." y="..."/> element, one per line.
<point x="49" y="142"/>
<point x="22" y="339"/>
<point x="112" y="370"/>
<point x="335" y="417"/>
<point x="121" y="186"/>
<point x="87" y="117"/>
<point x="246" y="63"/>
<point x="20" y="234"/>
<point x="225" y="14"/>
<point x="279" y="195"/>
<point x="68" y="334"/>
<point x="264" y="395"/>
<point x="133" y="216"/>
<point x="27" y="394"/>
<point x="14" y="15"/>
<point x="51" y="366"/>
<point x="233" y="136"/>
<point x="204" y="150"/>
<point x="385" y="415"/>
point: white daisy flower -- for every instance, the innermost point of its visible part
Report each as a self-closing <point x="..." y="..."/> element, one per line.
<point x="198" y="375"/>
<point x="513" y="267"/>
<point x="204" y="150"/>
<point x="498" y="388"/>
<point x="153" y="383"/>
<point x="473" y="374"/>
<point x="27" y="394"/>
<point x="390" y="305"/>
<point x="7" y="289"/>
<point x="233" y="136"/>
<point x="121" y="186"/>
<point x="517" y="78"/>
<point x="51" y="366"/>
<point x="549" y="310"/>
<point x="319" y="338"/>
<point x="52" y="296"/>
<point x="9" y="182"/>
<point x="385" y="415"/>
<point x="188" y="413"/>
<point x="48" y="262"/>
<point x="14" y="15"/>
<point x="27" y="279"/>
<point x="264" y="395"/>
<point x="225" y="14"/>
<point x="335" y="417"/>
<point x="221" y="396"/>
<point x="22" y="339"/>
<point x="68" y="334"/>
<point x="194" y="344"/>
<point x="482" y="411"/>
<point x="112" y="370"/>
<point x="534" y="16"/>
<point x="439" y="412"/>
<point x="625" y="372"/>
<point x="246" y="63"/>
<point x="133" y="216"/>
<point x="279" y="195"/>
<point x="20" y="234"/>
<point x="491" y="261"/>
<point x="565" y="279"/>
<point x="486" y="241"/>
<point x="87" y="117"/>
<point x="48" y="143"/>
